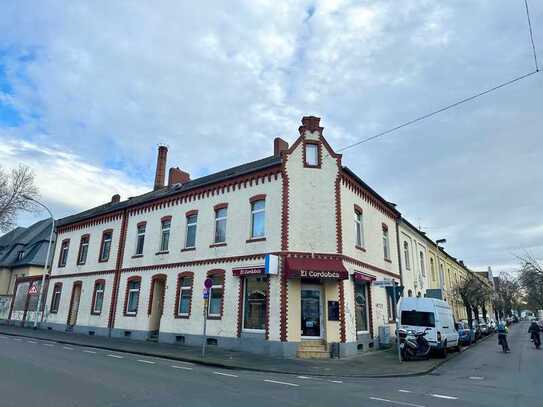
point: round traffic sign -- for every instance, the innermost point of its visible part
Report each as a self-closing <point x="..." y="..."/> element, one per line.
<point x="208" y="283"/>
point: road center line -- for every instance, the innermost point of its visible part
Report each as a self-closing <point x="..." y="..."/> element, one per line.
<point x="17" y="339"/>
<point x="89" y="351"/>
<point x="150" y="362"/>
<point x="31" y="342"/>
<point x="335" y="381"/>
<point x="67" y="348"/>
<point x="115" y="356"/>
<point x="48" y="344"/>
<point x="476" y="377"/>
<point x="441" y="396"/>
<point x="225" y="374"/>
<point x="303" y="377"/>
<point x="285" y="383"/>
<point x="404" y="391"/>
<point x="401" y="403"/>
<point x="182" y="367"/>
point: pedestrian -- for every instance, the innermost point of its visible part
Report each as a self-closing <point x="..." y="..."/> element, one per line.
<point x="502" y="332"/>
<point x="534" y="334"/>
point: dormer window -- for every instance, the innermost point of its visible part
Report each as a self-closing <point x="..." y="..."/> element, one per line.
<point x="20" y="255"/>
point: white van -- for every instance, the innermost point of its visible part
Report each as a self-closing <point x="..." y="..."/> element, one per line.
<point x="417" y="314"/>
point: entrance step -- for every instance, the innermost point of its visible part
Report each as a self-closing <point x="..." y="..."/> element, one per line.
<point x="313" y="349"/>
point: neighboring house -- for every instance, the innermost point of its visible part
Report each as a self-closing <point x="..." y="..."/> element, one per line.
<point x="417" y="265"/>
<point x="22" y="258"/>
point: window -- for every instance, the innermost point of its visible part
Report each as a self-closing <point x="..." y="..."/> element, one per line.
<point x="216" y="293"/>
<point x="55" y="298"/>
<point x="311" y="151"/>
<point x="432" y="269"/>
<point x="83" y="249"/>
<point x="105" y="248"/>
<point x="361" y="306"/>
<point x="184" y="295"/>
<point x="359" y="228"/>
<point x="63" y="256"/>
<point x="422" y="268"/>
<point x="390" y="307"/>
<point x="386" y="242"/>
<point x="441" y="275"/>
<point x="192" y="219"/>
<point x="98" y="297"/>
<point x="258" y="218"/>
<point x="132" y="295"/>
<point x="165" y="234"/>
<point x="406" y="255"/>
<point x="220" y="224"/>
<point x="255" y="303"/>
<point x="417" y="318"/>
<point x="140" y="239"/>
<point x="20" y="255"/>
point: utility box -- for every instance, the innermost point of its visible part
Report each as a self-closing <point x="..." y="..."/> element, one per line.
<point x="384" y="336"/>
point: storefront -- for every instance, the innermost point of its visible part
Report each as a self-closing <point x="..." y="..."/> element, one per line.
<point x="254" y="300"/>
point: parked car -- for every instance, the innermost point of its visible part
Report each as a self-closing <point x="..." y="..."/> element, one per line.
<point x="492" y="325"/>
<point x="466" y="335"/>
<point x="484" y="328"/>
<point x="418" y="314"/>
<point x="476" y="329"/>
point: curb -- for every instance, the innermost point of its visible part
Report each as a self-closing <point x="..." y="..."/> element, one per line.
<point x="241" y="368"/>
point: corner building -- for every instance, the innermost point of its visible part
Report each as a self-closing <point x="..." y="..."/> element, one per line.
<point x="136" y="268"/>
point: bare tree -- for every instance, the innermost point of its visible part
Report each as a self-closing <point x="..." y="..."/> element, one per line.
<point x="508" y="295"/>
<point x="16" y="186"/>
<point x="473" y="294"/>
<point x="531" y="279"/>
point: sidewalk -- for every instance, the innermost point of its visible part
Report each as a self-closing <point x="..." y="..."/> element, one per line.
<point x="371" y="364"/>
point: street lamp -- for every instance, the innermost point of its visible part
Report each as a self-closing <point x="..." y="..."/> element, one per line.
<point x="40" y="297"/>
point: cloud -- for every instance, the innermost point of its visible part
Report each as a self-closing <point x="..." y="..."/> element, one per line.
<point x="107" y="82"/>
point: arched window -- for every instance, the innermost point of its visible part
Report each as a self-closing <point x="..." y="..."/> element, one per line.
<point x="98" y="296"/>
<point x="183" y="298"/>
<point x="132" y="298"/>
<point x="422" y="267"/>
<point x="55" y="298"/>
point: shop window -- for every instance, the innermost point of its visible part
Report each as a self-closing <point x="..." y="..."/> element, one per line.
<point x="255" y="303"/>
<point x="361" y="306"/>
<point x="105" y="247"/>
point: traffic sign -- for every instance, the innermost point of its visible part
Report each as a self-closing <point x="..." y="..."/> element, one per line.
<point x="205" y="293"/>
<point x="208" y="283"/>
<point x="33" y="290"/>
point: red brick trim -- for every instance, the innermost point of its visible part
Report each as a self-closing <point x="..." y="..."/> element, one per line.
<point x="222" y="205"/>
<point x="79" y="284"/>
<point x="93" y="302"/>
<point x="284" y="202"/>
<point x="370" y="313"/>
<point x="221" y="244"/>
<point x="85" y="236"/>
<point x="86" y="274"/>
<point x="154" y="279"/>
<point x="51" y="310"/>
<point x="128" y="281"/>
<point x="109" y="217"/>
<point x="256" y="239"/>
<point x="339" y="228"/>
<point x="180" y="276"/>
<point x="67" y="243"/>
<point x="384" y="227"/>
<point x="104" y="233"/>
<point x="359" y="190"/>
<point x="166" y="218"/>
<point x="319" y="153"/>
<point x="259" y="197"/>
<point x="358" y="209"/>
<point x="369" y="266"/>
<point x="140" y="224"/>
<point x="283" y="303"/>
<point x="240" y="305"/>
<point x="221" y="273"/>
<point x="341" y="296"/>
<point x="267" y="322"/>
<point x="118" y="266"/>
<point x="191" y="212"/>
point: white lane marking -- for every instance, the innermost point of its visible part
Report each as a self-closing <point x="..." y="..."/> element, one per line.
<point x="225" y="374"/>
<point x="115" y="356"/>
<point x="285" y="383"/>
<point x="146" y="361"/>
<point x="404" y="391"/>
<point x="303" y="377"/>
<point x="31" y="342"/>
<point x="441" y="396"/>
<point x="89" y="351"/>
<point x="335" y="381"/>
<point x="182" y="367"/>
<point x="401" y="403"/>
<point x="476" y="377"/>
<point x="17" y="339"/>
<point x="67" y="348"/>
<point x="48" y="344"/>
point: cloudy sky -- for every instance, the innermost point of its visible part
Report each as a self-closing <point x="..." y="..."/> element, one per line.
<point x="88" y="90"/>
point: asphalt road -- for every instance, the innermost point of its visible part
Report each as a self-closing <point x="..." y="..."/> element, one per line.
<point x="39" y="373"/>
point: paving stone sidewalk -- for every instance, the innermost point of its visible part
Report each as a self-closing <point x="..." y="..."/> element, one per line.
<point x="382" y="363"/>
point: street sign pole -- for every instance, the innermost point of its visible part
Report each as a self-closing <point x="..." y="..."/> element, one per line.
<point x="397" y="324"/>
<point x="204" y="344"/>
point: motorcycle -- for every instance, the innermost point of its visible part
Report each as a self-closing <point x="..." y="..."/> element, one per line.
<point x="413" y="345"/>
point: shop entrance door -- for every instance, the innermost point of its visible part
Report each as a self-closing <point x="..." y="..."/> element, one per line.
<point x="311" y="296"/>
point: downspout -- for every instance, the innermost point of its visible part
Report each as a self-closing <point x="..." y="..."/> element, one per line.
<point x="398" y="220"/>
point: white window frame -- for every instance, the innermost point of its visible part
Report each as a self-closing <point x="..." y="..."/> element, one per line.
<point x="386" y="243"/>
<point x="163" y="231"/>
<point x="57" y="291"/>
<point x="220" y="219"/>
<point x="311" y="147"/>
<point x="359" y="228"/>
<point x="181" y="289"/>
<point x="140" y="234"/>
<point x="215" y="286"/>
<point x="254" y="212"/>
<point x="130" y="291"/>
<point x="81" y="251"/>
<point x="195" y="224"/>
<point x="422" y="265"/>
<point x="64" y="254"/>
<point x="104" y="241"/>
<point x="406" y="255"/>
<point x="244" y="282"/>
<point x="96" y="291"/>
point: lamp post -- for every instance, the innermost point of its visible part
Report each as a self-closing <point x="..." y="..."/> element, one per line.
<point x="40" y="297"/>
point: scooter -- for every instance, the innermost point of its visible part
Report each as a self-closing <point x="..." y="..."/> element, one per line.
<point x="413" y="345"/>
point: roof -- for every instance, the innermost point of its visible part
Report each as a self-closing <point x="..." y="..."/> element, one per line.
<point x="32" y="241"/>
<point x="175" y="189"/>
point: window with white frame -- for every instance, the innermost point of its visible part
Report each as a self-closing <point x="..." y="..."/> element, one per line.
<point x="165" y="235"/>
<point x="98" y="300"/>
<point x="220" y="225"/>
<point x="422" y="266"/>
<point x="361" y="306"/>
<point x="55" y="298"/>
<point x="140" y="239"/>
<point x="105" y="248"/>
<point x="63" y="256"/>
<point x="386" y="243"/>
<point x="406" y="255"/>
<point x="190" y="241"/>
<point x="83" y="249"/>
<point x="133" y="296"/>
<point x="255" y="301"/>
<point x="216" y="293"/>
<point x="258" y="218"/>
<point x="185" y="295"/>
<point x="359" y="228"/>
<point x="311" y="154"/>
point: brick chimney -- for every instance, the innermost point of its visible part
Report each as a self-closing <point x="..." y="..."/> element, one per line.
<point x="116" y="198"/>
<point x="310" y="123"/>
<point x="279" y="145"/>
<point x="161" y="167"/>
<point x="177" y="176"/>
